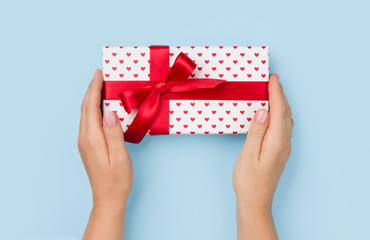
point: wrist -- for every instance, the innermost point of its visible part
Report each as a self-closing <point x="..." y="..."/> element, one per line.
<point x="255" y="221"/>
<point x="109" y="207"/>
<point x="254" y="210"/>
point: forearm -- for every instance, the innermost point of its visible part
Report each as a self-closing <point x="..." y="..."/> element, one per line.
<point x="255" y="223"/>
<point x="106" y="223"/>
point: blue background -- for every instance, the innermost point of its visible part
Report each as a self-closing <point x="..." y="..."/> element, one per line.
<point x="182" y="184"/>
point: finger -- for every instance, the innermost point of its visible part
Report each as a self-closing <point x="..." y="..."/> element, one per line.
<point x="90" y="110"/>
<point x="84" y="107"/>
<point x="278" y="134"/>
<point x="278" y="107"/>
<point x="256" y="134"/>
<point x="291" y="127"/>
<point x="287" y="106"/>
<point x="114" y="137"/>
<point x="289" y="120"/>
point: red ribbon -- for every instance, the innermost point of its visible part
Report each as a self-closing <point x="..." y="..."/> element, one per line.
<point x="152" y="97"/>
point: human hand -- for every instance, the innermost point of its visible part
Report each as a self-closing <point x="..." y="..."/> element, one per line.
<point x="263" y="157"/>
<point x="104" y="154"/>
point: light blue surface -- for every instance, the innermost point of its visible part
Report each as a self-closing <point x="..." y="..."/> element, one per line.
<point x="182" y="184"/>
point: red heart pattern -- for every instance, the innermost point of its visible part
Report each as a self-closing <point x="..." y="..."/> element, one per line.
<point x="219" y="116"/>
<point x="233" y="63"/>
<point x="230" y="63"/>
<point x="200" y="116"/>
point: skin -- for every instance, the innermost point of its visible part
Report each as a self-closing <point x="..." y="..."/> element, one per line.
<point x="256" y="173"/>
<point x="108" y="166"/>
<point x="260" y="165"/>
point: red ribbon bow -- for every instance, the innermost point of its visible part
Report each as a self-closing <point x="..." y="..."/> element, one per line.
<point x="148" y="97"/>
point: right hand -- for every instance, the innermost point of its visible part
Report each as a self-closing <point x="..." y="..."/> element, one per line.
<point x="265" y="153"/>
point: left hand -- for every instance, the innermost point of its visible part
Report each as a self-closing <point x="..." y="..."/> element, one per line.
<point x="103" y="151"/>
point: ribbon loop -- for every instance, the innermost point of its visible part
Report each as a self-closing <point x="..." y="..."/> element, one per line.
<point x="181" y="69"/>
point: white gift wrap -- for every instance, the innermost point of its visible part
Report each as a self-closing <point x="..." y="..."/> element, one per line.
<point x="236" y="63"/>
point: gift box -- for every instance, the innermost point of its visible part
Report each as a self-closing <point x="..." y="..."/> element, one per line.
<point x="184" y="90"/>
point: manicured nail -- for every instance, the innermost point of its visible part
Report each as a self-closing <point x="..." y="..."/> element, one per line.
<point x="110" y="119"/>
<point x="261" y="116"/>
<point x="96" y="73"/>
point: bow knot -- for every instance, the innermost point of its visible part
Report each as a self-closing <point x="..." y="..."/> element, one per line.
<point x="160" y="85"/>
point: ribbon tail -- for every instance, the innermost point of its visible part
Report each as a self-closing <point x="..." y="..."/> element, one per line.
<point x="143" y="119"/>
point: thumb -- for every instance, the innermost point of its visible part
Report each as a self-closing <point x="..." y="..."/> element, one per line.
<point x="256" y="133"/>
<point x="114" y="136"/>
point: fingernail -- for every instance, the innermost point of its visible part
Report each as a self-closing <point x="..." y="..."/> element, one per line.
<point x="96" y="72"/>
<point x="261" y="116"/>
<point x="110" y="119"/>
<point x="277" y="76"/>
